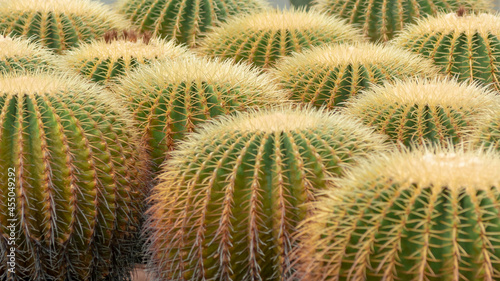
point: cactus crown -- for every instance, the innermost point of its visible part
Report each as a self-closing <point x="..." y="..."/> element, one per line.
<point x="17" y="54"/>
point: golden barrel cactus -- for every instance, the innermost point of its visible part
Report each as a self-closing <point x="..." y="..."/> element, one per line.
<point x="17" y="54"/>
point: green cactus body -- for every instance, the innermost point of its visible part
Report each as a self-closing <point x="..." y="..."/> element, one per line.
<point x="263" y="38"/>
<point x="78" y="174"/>
<point x="18" y="54"/>
<point x="58" y="24"/>
<point x="230" y="197"/>
<point x="489" y="134"/>
<point x="381" y="20"/>
<point x="432" y="214"/>
<point x="184" y="20"/>
<point x="467" y="47"/>
<point x="330" y="75"/>
<point x="103" y="62"/>
<point x="418" y="111"/>
<point x="170" y="98"/>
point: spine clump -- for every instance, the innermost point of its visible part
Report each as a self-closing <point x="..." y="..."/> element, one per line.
<point x="231" y="195"/>
<point x="18" y="54"/>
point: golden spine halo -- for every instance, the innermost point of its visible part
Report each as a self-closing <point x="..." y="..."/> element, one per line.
<point x="20" y="47"/>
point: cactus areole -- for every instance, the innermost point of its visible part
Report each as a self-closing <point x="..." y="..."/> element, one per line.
<point x="74" y="175"/>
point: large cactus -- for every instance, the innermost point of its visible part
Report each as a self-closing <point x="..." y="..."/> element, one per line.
<point x="465" y="46"/>
<point x="58" y="24"/>
<point x="263" y="38"/>
<point x="184" y="20"/>
<point x="381" y="20"/>
<point x="170" y="98"/>
<point x="329" y="75"/>
<point x="18" y="54"/>
<point x="432" y="214"/>
<point x="421" y="110"/>
<point x="78" y="180"/>
<point x="230" y="197"/>
<point x="104" y="60"/>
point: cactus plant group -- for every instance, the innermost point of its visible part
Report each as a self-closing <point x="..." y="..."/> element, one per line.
<point x="425" y="110"/>
<point x="231" y="195"/>
<point x="171" y="98"/>
<point x="262" y="38"/>
<point x="78" y="178"/>
<point x="17" y="54"/>
<point x="58" y="24"/>
<point x="464" y="46"/>
<point x="329" y="75"/>
<point x="103" y="61"/>
<point x="430" y="214"/>
<point x="184" y="20"/>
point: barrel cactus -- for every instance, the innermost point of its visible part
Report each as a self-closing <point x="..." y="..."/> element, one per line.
<point x="489" y="134"/>
<point x="264" y="37"/>
<point x="103" y="61"/>
<point x="58" y="24"/>
<point x="73" y="177"/>
<point x="184" y="20"/>
<point x="17" y="54"/>
<point x="466" y="46"/>
<point x="170" y="98"/>
<point x="329" y="75"/>
<point x="381" y="20"/>
<point x="430" y="214"/>
<point x="231" y="195"/>
<point x="422" y="110"/>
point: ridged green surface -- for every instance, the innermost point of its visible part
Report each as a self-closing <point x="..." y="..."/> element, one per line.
<point x="184" y="20"/>
<point x="330" y="75"/>
<point x="489" y="134"/>
<point x="17" y="54"/>
<point x="79" y="179"/>
<point x="171" y="98"/>
<point x="104" y="62"/>
<point x="417" y="111"/>
<point x="231" y="196"/>
<point x="58" y="24"/>
<point x="381" y="19"/>
<point x="263" y="38"/>
<point x="427" y="215"/>
<point x="465" y="47"/>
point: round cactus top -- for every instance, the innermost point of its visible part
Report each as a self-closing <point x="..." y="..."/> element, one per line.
<point x="430" y="92"/>
<point x="193" y="69"/>
<point x="153" y="49"/>
<point x="293" y="19"/>
<point x="481" y="23"/>
<point x="75" y="7"/>
<point x="358" y="53"/>
<point x="453" y="168"/>
<point x="19" y="47"/>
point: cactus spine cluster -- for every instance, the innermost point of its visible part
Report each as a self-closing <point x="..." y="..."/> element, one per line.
<point x="58" y="24"/>
<point x="231" y="195"/>
<point x="170" y="98"/>
<point x="184" y="20"/>
<point x="329" y="75"/>
<point x="17" y="54"/>
<point x="489" y="134"/>
<point x="464" y="46"/>
<point x="264" y="37"/>
<point x="432" y="214"/>
<point x="381" y="20"/>
<point x="79" y="174"/>
<point x="421" y="110"/>
<point x="104" y="60"/>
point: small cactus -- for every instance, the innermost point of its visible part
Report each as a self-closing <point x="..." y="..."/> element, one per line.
<point x="466" y="47"/>
<point x="78" y="178"/>
<point x="329" y="75"/>
<point x="104" y="60"/>
<point x="264" y="37"/>
<point x="429" y="214"/>
<point x="58" y="24"/>
<point x="418" y="111"/>
<point x="17" y="54"/>
<point x="184" y="20"/>
<point x="231" y="195"/>
<point x="170" y="98"/>
<point x="489" y="134"/>
<point x="381" y="20"/>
